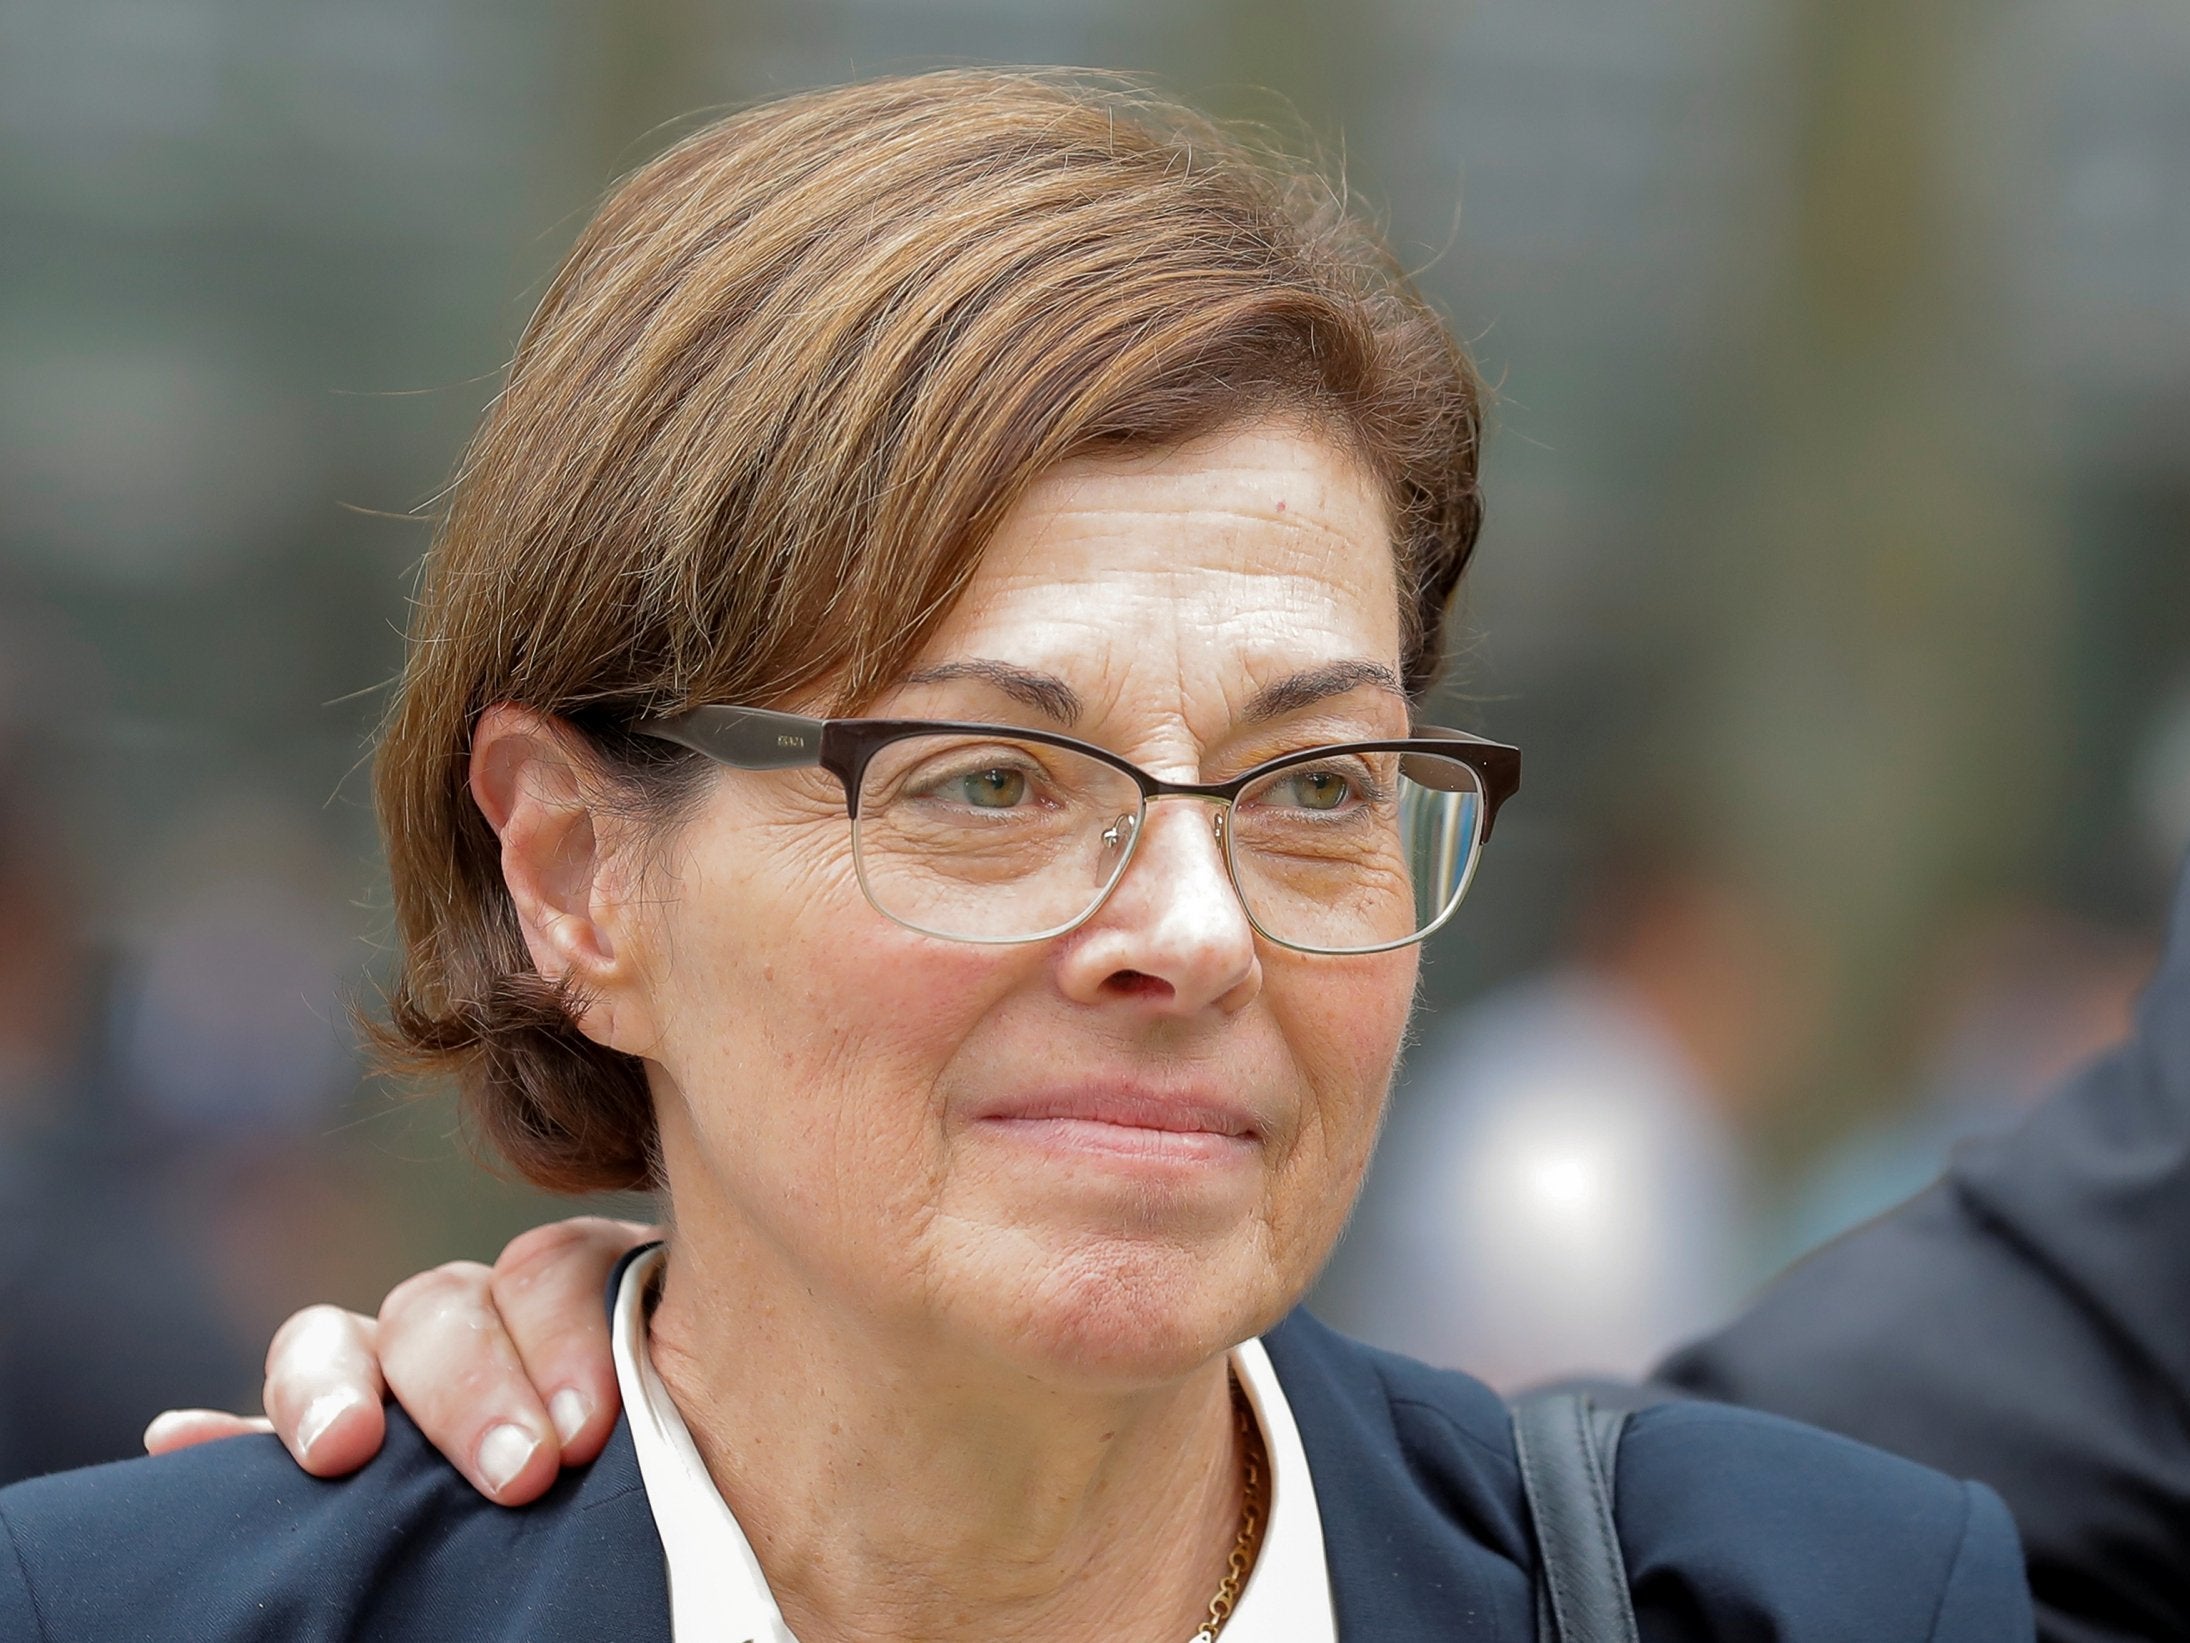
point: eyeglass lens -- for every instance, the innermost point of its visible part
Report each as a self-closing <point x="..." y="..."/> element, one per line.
<point x="985" y="838"/>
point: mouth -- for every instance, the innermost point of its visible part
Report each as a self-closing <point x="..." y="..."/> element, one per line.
<point x="1127" y="1125"/>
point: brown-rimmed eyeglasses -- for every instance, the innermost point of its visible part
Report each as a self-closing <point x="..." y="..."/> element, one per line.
<point x="991" y="833"/>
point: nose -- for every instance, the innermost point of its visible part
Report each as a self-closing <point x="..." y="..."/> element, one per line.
<point x="1172" y="934"/>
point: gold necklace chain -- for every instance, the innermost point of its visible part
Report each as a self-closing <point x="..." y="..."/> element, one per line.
<point x="1242" y="1560"/>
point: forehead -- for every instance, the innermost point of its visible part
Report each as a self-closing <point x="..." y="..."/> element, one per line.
<point x="1261" y="548"/>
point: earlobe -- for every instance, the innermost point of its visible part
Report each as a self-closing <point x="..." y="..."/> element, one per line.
<point x="527" y="776"/>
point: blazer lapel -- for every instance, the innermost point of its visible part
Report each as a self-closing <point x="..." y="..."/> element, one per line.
<point x="1420" y="1511"/>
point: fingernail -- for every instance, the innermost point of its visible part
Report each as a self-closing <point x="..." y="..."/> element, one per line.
<point x="503" y="1453"/>
<point x="569" y="1410"/>
<point x="321" y="1413"/>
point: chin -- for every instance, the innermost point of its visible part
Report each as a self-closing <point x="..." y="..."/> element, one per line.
<point x="1122" y="1313"/>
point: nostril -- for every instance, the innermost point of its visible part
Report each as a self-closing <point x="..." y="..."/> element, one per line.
<point x="1137" y="984"/>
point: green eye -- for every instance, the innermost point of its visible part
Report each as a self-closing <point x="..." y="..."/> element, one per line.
<point x="993" y="789"/>
<point x="1317" y="789"/>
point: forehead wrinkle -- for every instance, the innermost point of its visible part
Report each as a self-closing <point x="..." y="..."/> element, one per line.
<point x="1243" y="620"/>
<point x="1181" y="589"/>
<point x="1317" y="545"/>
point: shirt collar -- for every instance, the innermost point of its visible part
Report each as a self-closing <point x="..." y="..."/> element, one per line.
<point x="717" y="1593"/>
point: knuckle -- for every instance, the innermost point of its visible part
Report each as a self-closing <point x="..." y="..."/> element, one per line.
<point x="306" y="1340"/>
<point x="542" y="1253"/>
<point x="450" y="1290"/>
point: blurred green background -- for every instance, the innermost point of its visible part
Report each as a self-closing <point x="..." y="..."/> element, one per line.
<point x="1839" y="541"/>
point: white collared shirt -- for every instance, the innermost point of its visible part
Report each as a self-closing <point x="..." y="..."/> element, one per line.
<point x="717" y="1593"/>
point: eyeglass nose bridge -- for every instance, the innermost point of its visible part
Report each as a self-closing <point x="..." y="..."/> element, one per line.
<point x="1123" y="835"/>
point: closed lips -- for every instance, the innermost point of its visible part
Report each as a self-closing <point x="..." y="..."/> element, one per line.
<point x="1128" y="1111"/>
<point x="1130" y="1128"/>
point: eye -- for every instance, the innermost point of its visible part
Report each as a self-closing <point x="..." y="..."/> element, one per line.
<point x="1310" y="790"/>
<point x="1345" y="787"/>
<point x="996" y="788"/>
<point x="981" y="782"/>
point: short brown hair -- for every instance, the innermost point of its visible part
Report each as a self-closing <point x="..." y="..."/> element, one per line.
<point x="763" y="421"/>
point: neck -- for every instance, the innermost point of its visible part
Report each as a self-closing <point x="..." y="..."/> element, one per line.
<point x="892" y="1488"/>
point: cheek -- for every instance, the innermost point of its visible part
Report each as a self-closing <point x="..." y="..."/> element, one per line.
<point x="1344" y="1020"/>
<point x="792" y="1009"/>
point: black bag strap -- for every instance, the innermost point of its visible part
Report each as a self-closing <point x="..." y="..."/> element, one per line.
<point x="1568" y="1449"/>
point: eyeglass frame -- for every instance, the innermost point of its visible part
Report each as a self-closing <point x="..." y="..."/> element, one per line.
<point x="758" y="738"/>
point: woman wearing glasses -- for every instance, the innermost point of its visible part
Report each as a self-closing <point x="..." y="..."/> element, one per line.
<point x="907" y="748"/>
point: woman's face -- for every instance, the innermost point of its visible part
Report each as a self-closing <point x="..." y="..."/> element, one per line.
<point x="1107" y="1155"/>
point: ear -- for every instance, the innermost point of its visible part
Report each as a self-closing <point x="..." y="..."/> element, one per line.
<point x="571" y="888"/>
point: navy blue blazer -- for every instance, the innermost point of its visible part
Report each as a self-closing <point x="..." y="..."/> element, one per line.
<point x="1738" y="1528"/>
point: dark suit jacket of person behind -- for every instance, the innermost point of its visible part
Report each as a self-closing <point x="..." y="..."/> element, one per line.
<point x="2026" y="1321"/>
<point x="1738" y="1528"/>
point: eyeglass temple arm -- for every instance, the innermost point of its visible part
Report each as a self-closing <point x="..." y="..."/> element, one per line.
<point x="747" y="738"/>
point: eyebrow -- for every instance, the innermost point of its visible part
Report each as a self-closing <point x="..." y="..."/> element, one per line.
<point x="1047" y="694"/>
<point x="1312" y="685"/>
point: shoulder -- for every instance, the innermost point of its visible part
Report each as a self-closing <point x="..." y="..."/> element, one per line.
<point x="1735" y="1525"/>
<point x="1832" y="1538"/>
<point x="231" y="1541"/>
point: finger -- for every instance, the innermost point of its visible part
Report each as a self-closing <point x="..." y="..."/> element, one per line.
<point x="174" y="1429"/>
<point x="323" y="1390"/>
<point x="547" y="1287"/>
<point x="453" y="1366"/>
